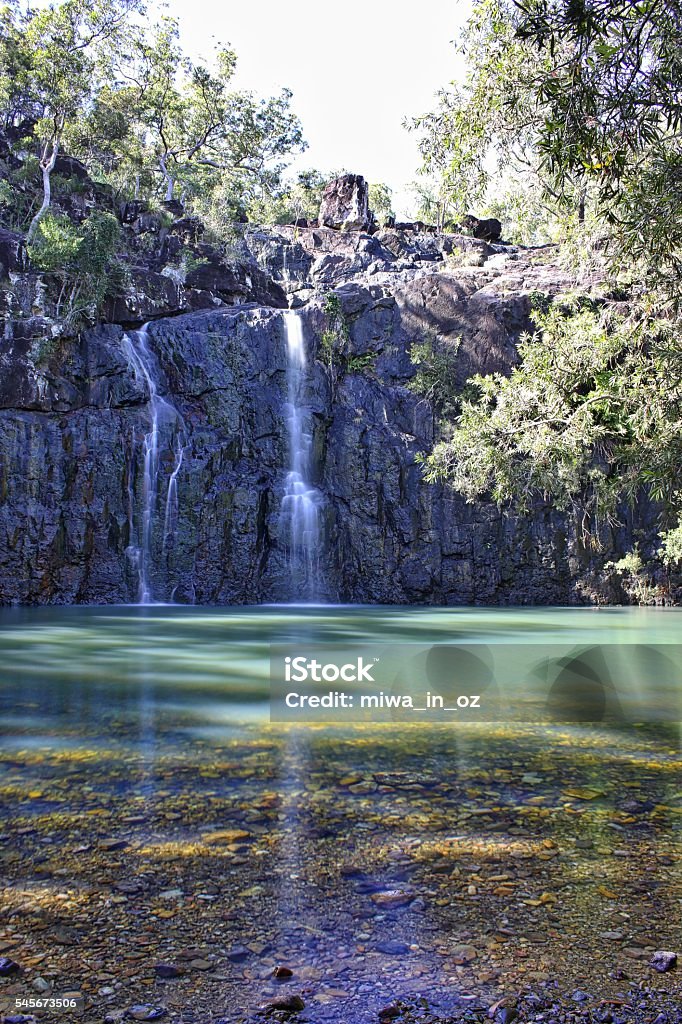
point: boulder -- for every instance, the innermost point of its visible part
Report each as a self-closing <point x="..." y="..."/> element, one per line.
<point x="345" y="204"/>
<point x="70" y="167"/>
<point x="489" y="230"/>
<point x="234" y="283"/>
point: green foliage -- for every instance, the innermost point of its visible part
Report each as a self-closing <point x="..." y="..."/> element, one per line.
<point x="436" y="373"/>
<point x="82" y="257"/>
<point x="523" y="210"/>
<point x="671" y="550"/>
<point x="15" y="202"/>
<point x="432" y="201"/>
<point x="635" y="578"/>
<point x="380" y="200"/>
<point x="85" y="77"/>
<point x="334" y="343"/>
<point x="360" y="363"/>
<point x="592" y="413"/>
<point x="581" y="104"/>
<point x="334" y="339"/>
<point x="586" y="98"/>
<point x="57" y="244"/>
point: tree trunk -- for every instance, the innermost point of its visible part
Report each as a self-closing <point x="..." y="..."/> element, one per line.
<point x="46" y="166"/>
<point x="170" y="183"/>
<point x="137" y="186"/>
<point x="581" y="206"/>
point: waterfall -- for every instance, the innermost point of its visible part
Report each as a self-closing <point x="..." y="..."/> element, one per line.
<point x="141" y="362"/>
<point x="302" y="502"/>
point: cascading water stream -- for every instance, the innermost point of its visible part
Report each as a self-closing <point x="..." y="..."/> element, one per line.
<point x="302" y="502"/>
<point x="141" y="362"/>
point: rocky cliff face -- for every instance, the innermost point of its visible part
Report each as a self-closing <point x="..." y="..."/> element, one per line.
<point x="196" y="440"/>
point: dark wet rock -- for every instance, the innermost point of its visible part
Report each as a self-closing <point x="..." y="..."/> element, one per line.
<point x="8" y="967"/>
<point x="70" y="167"/>
<point x="393" y="948"/>
<point x="148" y="295"/>
<point x="233" y="283"/>
<point x="167" y="971"/>
<point x="282" y="973"/>
<point x="505" y="1015"/>
<point x="73" y="416"/>
<point x="286" y="1004"/>
<point x="389" y="1013"/>
<point x="12" y="252"/>
<point x="663" y="960"/>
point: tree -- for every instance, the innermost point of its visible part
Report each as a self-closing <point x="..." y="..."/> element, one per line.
<point x="63" y="52"/>
<point x="194" y="124"/>
<point x="590" y="417"/>
<point x="585" y="94"/>
<point x="380" y="200"/>
<point x="588" y="97"/>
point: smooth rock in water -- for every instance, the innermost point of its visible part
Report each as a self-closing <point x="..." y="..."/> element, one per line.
<point x="144" y="1012"/>
<point x="67" y="936"/>
<point x="389" y="1013"/>
<point x="393" y="948"/>
<point x="167" y="971"/>
<point x="282" y="972"/>
<point x="41" y="985"/>
<point x="464" y="954"/>
<point x="579" y="996"/>
<point x="345" y="204"/>
<point x="8" y="967"/>
<point x="109" y="845"/>
<point x="237" y="954"/>
<point x="392" y="898"/>
<point x="663" y="960"/>
<point x="201" y="964"/>
<point x="288" y="1004"/>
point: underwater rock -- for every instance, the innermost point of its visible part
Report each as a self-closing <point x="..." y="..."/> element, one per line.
<point x="663" y="961"/>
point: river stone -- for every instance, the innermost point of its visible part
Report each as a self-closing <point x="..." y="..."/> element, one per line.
<point x="663" y="960"/>
<point x="287" y="1004"/>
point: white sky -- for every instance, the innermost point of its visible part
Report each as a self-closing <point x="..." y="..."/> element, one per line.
<point x="356" y="68"/>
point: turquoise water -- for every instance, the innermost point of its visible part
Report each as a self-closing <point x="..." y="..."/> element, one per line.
<point x="137" y="759"/>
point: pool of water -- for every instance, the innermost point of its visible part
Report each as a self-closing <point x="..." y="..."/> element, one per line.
<point x="153" y="815"/>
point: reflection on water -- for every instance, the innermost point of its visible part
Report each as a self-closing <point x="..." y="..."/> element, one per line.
<point x="152" y="814"/>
